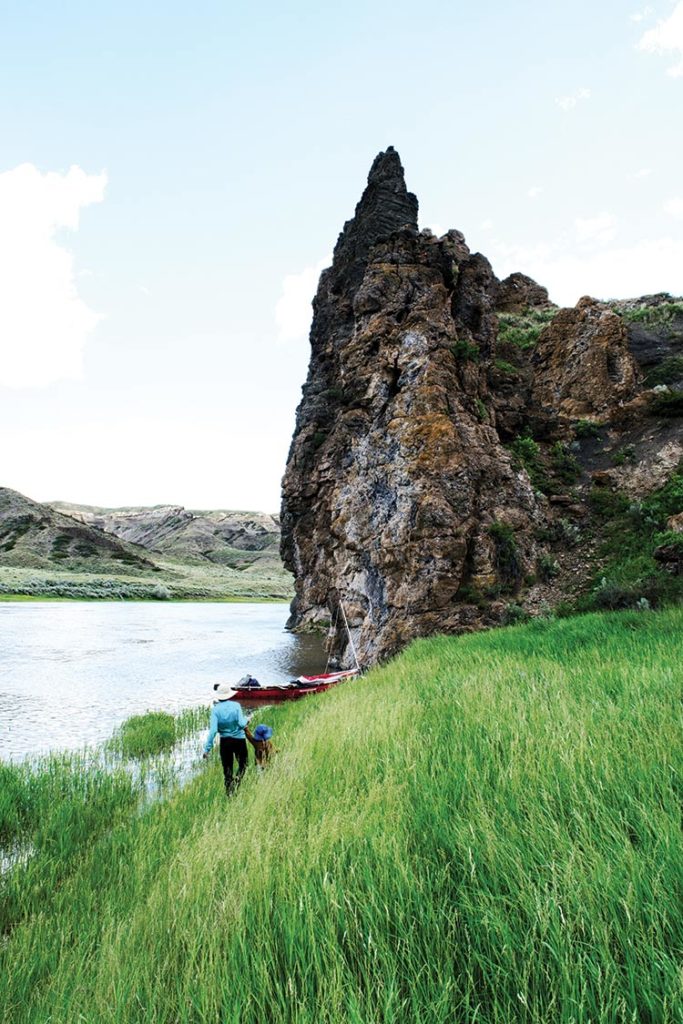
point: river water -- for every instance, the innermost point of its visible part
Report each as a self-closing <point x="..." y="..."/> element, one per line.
<point x="70" y="672"/>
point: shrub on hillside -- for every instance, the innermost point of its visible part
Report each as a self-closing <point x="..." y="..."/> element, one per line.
<point x="507" y="560"/>
<point x="564" y="463"/>
<point x="667" y="403"/>
<point x="465" y="351"/>
<point x="587" y="428"/>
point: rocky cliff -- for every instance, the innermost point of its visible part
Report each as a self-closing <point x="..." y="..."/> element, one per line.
<point x="450" y="422"/>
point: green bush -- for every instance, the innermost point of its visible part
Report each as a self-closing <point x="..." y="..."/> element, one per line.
<point x="507" y="368"/>
<point x="668" y="372"/>
<point x="662" y="314"/>
<point x="631" y="533"/>
<point x="507" y="560"/>
<point x="465" y="351"/>
<point x="547" y="567"/>
<point x="667" y="403"/>
<point x="515" y="613"/>
<point x="667" y="501"/>
<point x="526" y="454"/>
<point x="669" y="539"/>
<point x="629" y="583"/>
<point x="624" y="455"/>
<point x="606" y="503"/>
<point x="564" y="463"/>
<point x="587" y="428"/>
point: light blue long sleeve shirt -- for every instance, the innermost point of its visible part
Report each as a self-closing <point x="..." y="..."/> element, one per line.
<point x="227" y="719"/>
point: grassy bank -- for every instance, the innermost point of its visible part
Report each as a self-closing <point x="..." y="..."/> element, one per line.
<point x="171" y="580"/>
<point x="487" y="829"/>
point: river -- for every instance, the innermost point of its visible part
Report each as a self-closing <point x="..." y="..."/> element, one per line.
<point x="71" y="671"/>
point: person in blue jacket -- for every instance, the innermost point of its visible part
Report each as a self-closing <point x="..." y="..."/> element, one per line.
<point x="229" y="721"/>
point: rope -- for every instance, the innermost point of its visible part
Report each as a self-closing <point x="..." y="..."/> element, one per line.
<point x="330" y="633"/>
<point x="348" y="631"/>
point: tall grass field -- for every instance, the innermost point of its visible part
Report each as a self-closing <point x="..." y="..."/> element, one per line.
<point x="487" y="829"/>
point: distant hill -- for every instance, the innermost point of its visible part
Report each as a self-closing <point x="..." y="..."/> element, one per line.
<point x="83" y="551"/>
<point x="235" y="539"/>
<point x="36" y="536"/>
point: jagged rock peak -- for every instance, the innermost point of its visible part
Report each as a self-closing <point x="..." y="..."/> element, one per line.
<point x="385" y="206"/>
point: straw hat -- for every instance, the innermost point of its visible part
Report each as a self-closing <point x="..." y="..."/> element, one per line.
<point x="224" y="691"/>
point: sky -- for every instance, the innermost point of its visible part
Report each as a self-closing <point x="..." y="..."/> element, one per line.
<point x="173" y="178"/>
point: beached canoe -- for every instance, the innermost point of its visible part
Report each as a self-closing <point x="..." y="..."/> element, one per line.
<point x="301" y="687"/>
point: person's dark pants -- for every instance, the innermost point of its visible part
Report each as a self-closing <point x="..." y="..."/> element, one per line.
<point x="231" y="748"/>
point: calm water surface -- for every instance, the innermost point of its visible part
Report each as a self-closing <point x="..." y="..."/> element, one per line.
<point x="71" y="672"/>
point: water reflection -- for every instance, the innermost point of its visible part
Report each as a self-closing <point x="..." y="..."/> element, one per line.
<point x="71" y="672"/>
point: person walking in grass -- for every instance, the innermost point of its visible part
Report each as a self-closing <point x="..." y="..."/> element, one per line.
<point x="263" y="748"/>
<point x="229" y="721"/>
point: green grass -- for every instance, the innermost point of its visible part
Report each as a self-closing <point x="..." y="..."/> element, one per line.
<point x="142" y="735"/>
<point x="523" y="329"/>
<point x="630" y="534"/>
<point x="154" y="732"/>
<point x="485" y="830"/>
<point x="176" y="581"/>
<point x="664" y="313"/>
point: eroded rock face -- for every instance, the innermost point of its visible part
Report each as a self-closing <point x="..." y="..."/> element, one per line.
<point x="583" y="366"/>
<point x="394" y="478"/>
<point x="405" y="495"/>
<point x="519" y="292"/>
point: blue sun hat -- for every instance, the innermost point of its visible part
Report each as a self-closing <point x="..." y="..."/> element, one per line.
<point x="263" y="732"/>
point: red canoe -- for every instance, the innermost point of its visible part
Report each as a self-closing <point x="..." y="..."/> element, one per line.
<point x="300" y="687"/>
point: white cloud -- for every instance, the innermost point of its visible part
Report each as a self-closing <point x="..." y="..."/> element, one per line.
<point x="591" y="231"/>
<point x="486" y="225"/>
<point x="582" y="262"/>
<point x="644" y="172"/>
<point x="534" y="191"/>
<point x="293" y="312"/>
<point x="674" y="207"/>
<point x="43" y="321"/>
<point x="569" y="102"/>
<point x="667" y="37"/>
<point x="643" y="15"/>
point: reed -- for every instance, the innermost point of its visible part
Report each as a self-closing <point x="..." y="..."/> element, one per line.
<point x="487" y="829"/>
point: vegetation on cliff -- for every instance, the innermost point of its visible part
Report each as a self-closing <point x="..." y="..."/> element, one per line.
<point x="485" y="829"/>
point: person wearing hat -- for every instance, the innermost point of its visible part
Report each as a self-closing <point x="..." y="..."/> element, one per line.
<point x="229" y="721"/>
<point x="260" y="741"/>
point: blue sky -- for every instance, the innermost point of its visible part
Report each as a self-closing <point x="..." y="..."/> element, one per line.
<point x="154" y="299"/>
